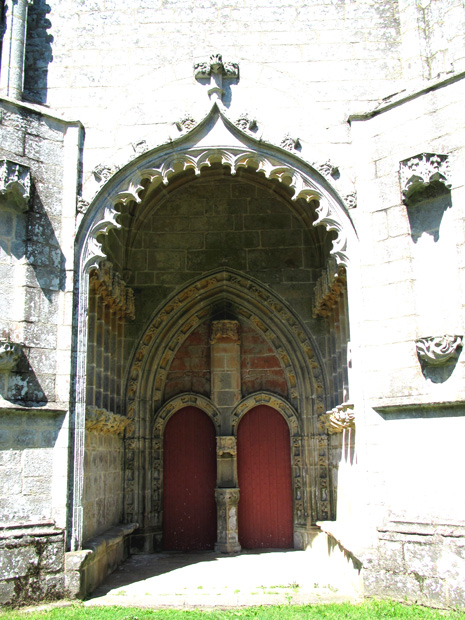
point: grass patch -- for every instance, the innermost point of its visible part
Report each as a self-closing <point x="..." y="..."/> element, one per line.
<point x="371" y="610"/>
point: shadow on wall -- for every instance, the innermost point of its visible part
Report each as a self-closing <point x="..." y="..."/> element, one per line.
<point x="427" y="217"/>
<point x="38" y="52"/>
<point x="22" y="386"/>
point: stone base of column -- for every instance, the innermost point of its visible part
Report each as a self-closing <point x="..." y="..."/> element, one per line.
<point x="228" y="535"/>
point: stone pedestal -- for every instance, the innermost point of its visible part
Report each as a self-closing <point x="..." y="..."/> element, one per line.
<point x="228" y="535"/>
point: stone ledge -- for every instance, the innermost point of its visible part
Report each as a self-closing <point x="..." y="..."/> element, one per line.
<point x="20" y="529"/>
<point x="411" y="403"/>
<point x="87" y="568"/>
<point x="55" y="408"/>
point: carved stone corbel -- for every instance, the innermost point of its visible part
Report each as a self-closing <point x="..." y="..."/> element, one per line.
<point x="224" y="331"/>
<point x="438" y="350"/>
<point x="10" y="352"/>
<point x="15" y="184"/>
<point x="226" y="444"/>
<point x="338" y="419"/>
<point x="424" y="176"/>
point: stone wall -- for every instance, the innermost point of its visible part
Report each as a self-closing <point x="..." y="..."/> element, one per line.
<point x="103" y="482"/>
<point x="31" y="563"/>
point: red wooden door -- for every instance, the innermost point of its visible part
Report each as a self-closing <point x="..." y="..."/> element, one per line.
<point x="189" y="474"/>
<point x="265" y="482"/>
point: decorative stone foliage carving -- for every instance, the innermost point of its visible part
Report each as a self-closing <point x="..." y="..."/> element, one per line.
<point x="110" y="285"/>
<point x="291" y="143"/>
<point x="351" y="200"/>
<point x="328" y="288"/>
<point x="215" y="65"/>
<point x="81" y="205"/>
<point x="15" y="184"/>
<point x="245" y="123"/>
<point x="338" y="419"/>
<point x="103" y="172"/>
<point x="328" y="170"/>
<point x="140" y="147"/>
<point x="100" y="420"/>
<point x="226" y="444"/>
<point x="437" y="350"/>
<point x="186" y="123"/>
<point x="224" y="331"/>
<point x="424" y="176"/>
<point x="10" y="354"/>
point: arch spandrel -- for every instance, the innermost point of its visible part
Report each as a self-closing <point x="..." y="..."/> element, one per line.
<point x="214" y="140"/>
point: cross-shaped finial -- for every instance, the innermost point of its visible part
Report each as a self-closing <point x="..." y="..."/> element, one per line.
<point x="216" y="70"/>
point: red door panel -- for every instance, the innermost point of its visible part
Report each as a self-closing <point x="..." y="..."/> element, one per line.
<point x="265" y="482"/>
<point x="189" y="459"/>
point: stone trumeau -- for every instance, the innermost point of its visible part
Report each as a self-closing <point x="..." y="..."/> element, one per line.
<point x="239" y="233"/>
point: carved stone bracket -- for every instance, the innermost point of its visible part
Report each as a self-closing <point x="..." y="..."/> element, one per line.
<point x="338" y="419"/>
<point x="424" y="176"/>
<point x="15" y="184"/>
<point x="328" y="288"/>
<point x="110" y="285"/>
<point x="100" y="420"/>
<point x="10" y="353"/>
<point x="226" y="444"/>
<point x="437" y="350"/>
<point x="225" y="331"/>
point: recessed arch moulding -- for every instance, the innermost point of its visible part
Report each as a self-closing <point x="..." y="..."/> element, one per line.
<point x="216" y="140"/>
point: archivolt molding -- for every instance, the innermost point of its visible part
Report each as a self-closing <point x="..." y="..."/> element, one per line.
<point x="272" y="400"/>
<point x="200" y="147"/>
<point x="179" y="402"/>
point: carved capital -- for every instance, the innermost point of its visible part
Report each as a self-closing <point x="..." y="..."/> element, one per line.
<point x="424" y="176"/>
<point x="328" y="288"/>
<point x="100" y="420"/>
<point x="113" y="290"/>
<point x="225" y="331"/>
<point x="228" y="497"/>
<point x="226" y="445"/>
<point x="338" y="419"/>
<point x="10" y="353"/>
<point x="437" y="350"/>
<point x="15" y="184"/>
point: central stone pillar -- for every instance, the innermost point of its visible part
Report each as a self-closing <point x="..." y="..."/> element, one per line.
<point x="226" y="394"/>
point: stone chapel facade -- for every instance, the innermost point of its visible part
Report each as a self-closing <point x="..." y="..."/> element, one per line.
<point x="232" y="257"/>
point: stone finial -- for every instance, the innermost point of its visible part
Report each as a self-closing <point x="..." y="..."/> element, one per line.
<point x="10" y="353"/>
<point x="15" y="184"/>
<point x="224" y="331"/>
<point x="437" y="350"/>
<point x="424" y="176"/>
<point x="338" y="419"/>
<point x="216" y="71"/>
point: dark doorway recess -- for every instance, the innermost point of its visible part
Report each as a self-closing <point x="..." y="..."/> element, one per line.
<point x="264" y="472"/>
<point x="189" y="507"/>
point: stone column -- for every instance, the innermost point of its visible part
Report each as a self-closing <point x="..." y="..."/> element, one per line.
<point x="225" y="369"/>
<point x="13" y="48"/>
<point x="226" y="393"/>
<point x="228" y="539"/>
